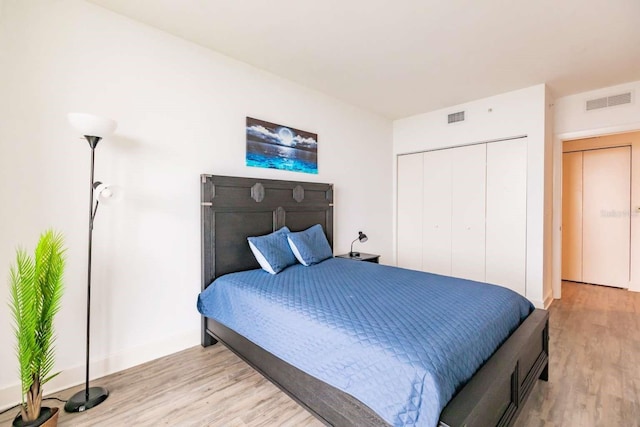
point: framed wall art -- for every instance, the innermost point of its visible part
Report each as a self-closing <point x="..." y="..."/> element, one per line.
<point x="274" y="146"/>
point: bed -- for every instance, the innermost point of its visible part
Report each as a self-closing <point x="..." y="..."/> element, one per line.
<point x="235" y="208"/>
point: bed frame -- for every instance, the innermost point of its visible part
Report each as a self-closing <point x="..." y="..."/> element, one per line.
<point x="234" y="208"/>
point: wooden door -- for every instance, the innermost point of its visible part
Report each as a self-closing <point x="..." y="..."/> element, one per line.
<point x="436" y="241"/>
<point x="572" y="216"/>
<point x="506" y="222"/>
<point x="409" y="220"/>
<point x="606" y="216"/>
<point x="468" y="193"/>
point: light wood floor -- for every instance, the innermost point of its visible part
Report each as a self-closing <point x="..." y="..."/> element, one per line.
<point x="594" y="370"/>
<point x="594" y="378"/>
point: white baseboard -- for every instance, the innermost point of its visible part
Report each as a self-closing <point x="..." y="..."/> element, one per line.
<point x="548" y="300"/>
<point x="69" y="377"/>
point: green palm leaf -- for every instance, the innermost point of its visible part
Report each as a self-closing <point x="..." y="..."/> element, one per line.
<point x="36" y="294"/>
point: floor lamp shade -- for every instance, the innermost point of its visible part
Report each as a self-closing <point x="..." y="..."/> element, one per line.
<point x="94" y="128"/>
<point x="90" y="125"/>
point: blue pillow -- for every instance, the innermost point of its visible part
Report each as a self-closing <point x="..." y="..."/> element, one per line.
<point x="272" y="251"/>
<point x="310" y="246"/>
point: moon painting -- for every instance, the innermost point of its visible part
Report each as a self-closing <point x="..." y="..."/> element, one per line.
<point x="274" y="146"/>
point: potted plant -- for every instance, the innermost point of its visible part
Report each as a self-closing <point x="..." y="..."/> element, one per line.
<point x="36" y="293"/>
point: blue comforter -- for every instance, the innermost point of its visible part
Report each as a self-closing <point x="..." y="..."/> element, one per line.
<point x="400" y="341"/>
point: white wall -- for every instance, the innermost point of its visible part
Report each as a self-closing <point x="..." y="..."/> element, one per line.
<point x="517" y="113"/>
<point x="181" y="111"/>
<point x="548" y="198"/>
<point x="572" y="121"/>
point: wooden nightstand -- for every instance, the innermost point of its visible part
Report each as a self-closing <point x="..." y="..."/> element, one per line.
<point x="362" y="257"/>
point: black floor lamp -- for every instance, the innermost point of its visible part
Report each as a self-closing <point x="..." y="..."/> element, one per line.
<point x="93" y="128"/>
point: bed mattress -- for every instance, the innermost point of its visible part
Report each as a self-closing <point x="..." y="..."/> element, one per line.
<point x="402" y="342"/>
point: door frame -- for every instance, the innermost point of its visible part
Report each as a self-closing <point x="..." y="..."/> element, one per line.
<point x="558" y="140"/>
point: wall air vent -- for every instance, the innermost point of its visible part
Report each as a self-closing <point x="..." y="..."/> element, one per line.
<point x="455" y="117"/>
<point x="609" y="101"/>
<point x="623" y="98"/>
<point x="594" y="104"/>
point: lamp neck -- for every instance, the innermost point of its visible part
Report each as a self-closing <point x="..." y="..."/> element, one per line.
<point x="354" y="240"/>
<point x="93" y="141"/>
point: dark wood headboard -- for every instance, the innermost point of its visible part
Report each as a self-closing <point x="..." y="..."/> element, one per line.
<point x="235" y="208"/>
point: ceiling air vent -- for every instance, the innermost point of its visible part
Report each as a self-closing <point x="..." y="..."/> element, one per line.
<point x="609" y="101"/>
<point x="455" y="117"/>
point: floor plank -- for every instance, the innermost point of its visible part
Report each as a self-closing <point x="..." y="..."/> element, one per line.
<point x="594" y="378"/>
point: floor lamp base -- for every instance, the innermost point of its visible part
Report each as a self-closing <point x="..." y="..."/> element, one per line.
<point x="79" y="402"/>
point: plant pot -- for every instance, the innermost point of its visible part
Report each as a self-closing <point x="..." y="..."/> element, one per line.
<point x="48" y="418"/>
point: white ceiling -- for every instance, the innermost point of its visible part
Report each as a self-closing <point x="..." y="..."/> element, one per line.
<point x="405" y="57"/>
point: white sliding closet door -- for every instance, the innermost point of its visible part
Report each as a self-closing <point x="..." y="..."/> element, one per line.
<point x="606" y="220"/>
<point x="506" y="220"/>
<point x="410" y="188"/>
<point x="572" y="216"/>
<point x="468" y="212"/>
<point x="436" y="241"/>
